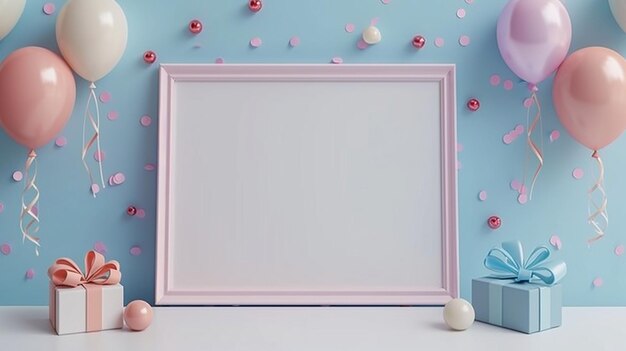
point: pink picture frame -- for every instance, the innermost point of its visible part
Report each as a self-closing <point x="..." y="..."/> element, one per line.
<point x="307" y="184"/>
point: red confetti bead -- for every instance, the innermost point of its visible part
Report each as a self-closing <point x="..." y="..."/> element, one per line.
<point x="131" y="210"/>
<point x="195" y="26"/>
<point x="473" y="104"/>
<point x="149" y="56"/>
<point x="494" y="222"/>
<point x="418" y="41"/>
<point x="255" y="5"/>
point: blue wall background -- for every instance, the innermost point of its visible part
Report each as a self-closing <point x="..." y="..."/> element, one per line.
<point x="72" y="222"/>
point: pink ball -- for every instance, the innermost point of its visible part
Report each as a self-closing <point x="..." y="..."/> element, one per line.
<point x="138" y="315"/>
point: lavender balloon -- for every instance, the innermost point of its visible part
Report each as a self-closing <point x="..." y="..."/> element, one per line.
<point x="534" y="37"/>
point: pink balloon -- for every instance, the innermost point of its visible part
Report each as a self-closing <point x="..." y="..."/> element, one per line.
<point x="589" y="95"/>
<point x="534" y="37"/>
<point x="37" y="94"/>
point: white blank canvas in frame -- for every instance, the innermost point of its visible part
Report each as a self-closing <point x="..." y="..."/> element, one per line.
<point x="307" y="185"/>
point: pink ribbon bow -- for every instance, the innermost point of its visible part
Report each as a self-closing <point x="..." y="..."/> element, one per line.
<point x="65" y="272"/>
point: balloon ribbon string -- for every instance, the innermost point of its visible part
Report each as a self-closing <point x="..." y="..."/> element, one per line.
<point x="531" y="144"/>
<point x="598" y="217"/>
<point x="29" y="216"/>
<point x="95" y="138"/>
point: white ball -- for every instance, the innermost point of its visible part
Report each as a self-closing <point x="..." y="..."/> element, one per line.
<point x="458" y="314"/>
<point x="371" y="35"/>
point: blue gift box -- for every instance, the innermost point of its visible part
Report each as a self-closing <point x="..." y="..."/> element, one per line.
<point x="524" y="294"/>
<point x="524" y="307"/>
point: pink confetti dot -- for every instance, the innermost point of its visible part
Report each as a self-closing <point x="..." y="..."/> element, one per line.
<point x="135" y="250"/>
<point x="219" y="60"/>
<point x="460" y="13"/>
<point x="578" y="173"/>
<point x="508" y="138"/>
<point x="374" y="21"/>
<point x="105" y="97"/>
<point x="141" y="213"/>
<point x="349" y="27"/>
<point x="386" y="2"/>
<point x="516" y="185"/>
<point x="337" y="60"/>
<point x="149" y="167"/>
<point x="459" y="147"/>
<point x="598" y="282"/>
<point x="554" y="135"/>
<point x="439" y="42"/>
<point x="5" y="249"/>
<point x="60" y="141"/>
<point x="494" y="80"/>
<point x="294" y="41"/>
<point x="145" y="120"/>
<point x="522" y="198"/>
<point x="464" y="40"/>
<point x="100" y="247"/>
<point x="523" y="189"/>
<point x="619" y="250"/>
<point x="555" y="241"/>
<point x="113" y="115"/>
<point x="119" y="178"/>
<point x="95" y="188"/>
<point x="18" y="176"/>
<point x="256" y="42"/>
<point x="99" y="156"/>
<point x="49" y="8"/>
<point x="1" y="207"/>
<point x="519" y="129"/>
<point x="482" y="196"/>
<point x="361" y="44"/>
<point x="30" y="273"/>
<point x="508" y="84"/>
<point x="528" y="102"/>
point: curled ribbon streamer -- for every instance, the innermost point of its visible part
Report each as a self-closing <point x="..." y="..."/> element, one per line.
<point x="65" y="272"/>
<point x="95" y="124"/>
<point x="531" y="144"/>
<point x="598" y="218"/>
<point x="508" y="262"/>
<point x="28" y="209"/>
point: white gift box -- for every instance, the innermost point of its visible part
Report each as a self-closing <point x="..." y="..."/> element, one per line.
<point x="86" y="308"/>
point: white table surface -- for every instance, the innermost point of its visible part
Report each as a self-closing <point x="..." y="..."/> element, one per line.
<point x="314" y="328"/>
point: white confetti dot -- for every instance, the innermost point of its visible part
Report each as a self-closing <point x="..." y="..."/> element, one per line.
<point x="439" y="42"/>
<point x="18" y="176"/>
<point x="349" y="27"/>
<point x="482" y="196"/>
<point x="460" y="13"/>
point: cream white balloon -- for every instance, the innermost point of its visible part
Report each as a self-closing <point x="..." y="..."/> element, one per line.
<point x="92" y="36"/>
<point x="458" y="314"/>
<point x="371" y="35"/>
<point x="10" y="13"/>
<point x="618" y="8"/>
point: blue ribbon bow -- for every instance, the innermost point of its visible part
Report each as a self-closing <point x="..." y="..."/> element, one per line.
<point x="509" y="263"/>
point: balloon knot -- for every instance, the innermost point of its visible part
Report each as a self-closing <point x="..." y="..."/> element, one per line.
<point x="595" y="154"/>
<point x="92" y="86"/>
<point x="533" y="87"/>
<point x="32" y="153"/>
